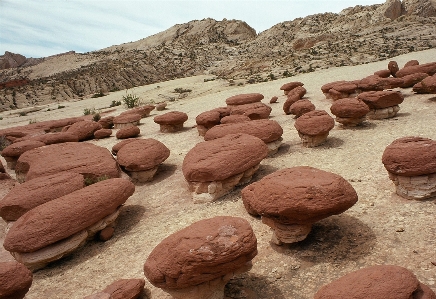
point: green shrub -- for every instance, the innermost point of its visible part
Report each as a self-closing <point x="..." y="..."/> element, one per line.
<point x="22" y="113"/>
<point x="32" y="121"/>
<point x="89" y="111"/>
<point x="96" y="117"/>
<point x="181" y="90"/>
<point x="93" y="180"/>
<point x="115" y="103"/>
<point x="131" y="100"/>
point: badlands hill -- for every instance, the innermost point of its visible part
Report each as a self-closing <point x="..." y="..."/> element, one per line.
<point x="228" y="49"/>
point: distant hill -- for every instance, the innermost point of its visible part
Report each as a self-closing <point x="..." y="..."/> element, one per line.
<point x="229" y="49"/>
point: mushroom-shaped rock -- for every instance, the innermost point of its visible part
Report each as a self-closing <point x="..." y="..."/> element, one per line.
<point x="292" y="199"/>
<point x="171" y="122"/>
<point x="382" y="104"/>
<point x="428" y="68"/>
<point x="208" y="119"/>
<point x="144" y="111"/>
<point x="212" y="168"/>
<point x="126" y="120"/>
<point x="120" y="144"/>
<point x="15" y="280"/>
<point x="300" y="107"/>
<point x="411" y="165"/>
<point x="427" y="85"/>
<point x="293" y="96"/>
<point x="56" y="228"/>
<point x="314" y="127"/>
<point x="253" y="111"/>
<point x="273" y="100"/>
<point x="242" y="99"/>
<point x="197" y="261"/>
<point x="234" y="119"/>
<point x="289" y="86"/>
<point x="269" y="131"/>
<point x="339" y="90"/>
<point x="376" y="282"/>
<point x="88" y="159"/>
<point x="12" y="152"/>
<point x="349" y="111"/>
<point x="121" y="289"/>
<point x="141" y="158"/>
<point x="26" y="196"/>
<point x="128" y="132"/>
<point x="393" y="67"/>
<point x="84" y="129"/>
<point x="107" y="122"/>
<point x="102" y="133"/>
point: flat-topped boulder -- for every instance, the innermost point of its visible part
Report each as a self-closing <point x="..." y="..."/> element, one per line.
<point x="253" y="110"/>
<point x="141" y="158"/>
<point x="15" y="280"/>
<point x="383" y="73"/>
<point x="12" y="152"/>
<point x="57" y="227"/>
<point x="126" y="120"/>
<point x="102" y="133"/>
<point x="235" y="118"/>
<point x="208" y="119"/>
<point x="411" y="165"/>
<point x="120" y="144"/>
<point x="427" y="85"/>
<point x="428" y="68"/>
<point x="377" y="282"/>
<point x="121" y="289"/>
<point x="143" y="111"/>
<point x="84" y="129"/>
<point x="349" y="111"/>
<point x="107" y="122"/>
<point x="242" y="99"/>
<point x="269" y="131"/>
<point x="412" y="79"/>
<point x="314" y="127"/>
<point x="128" y="132"/>
<point x="292" y="199"/>
<point x="287" y="87"/>
<point x="382" y="104"/>
<point x="197" y="261"/>
<point x="24" y="197"/>
<point x="171" y="122"/>
<point x="377" y="83"/>
<point x="301" y="107"/>
<point x="212" y="168"/>
<point x="87" y="159"/>
<point x="339" y="90"/>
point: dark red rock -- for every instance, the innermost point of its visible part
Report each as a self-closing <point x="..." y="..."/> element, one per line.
<point x="201" y="252"/>
<point x="125" y="289"/>
<point x="24" y="197"/>
<point x="128" y="118"/>
<point x="299" y="195"/>
<point x="393" y="67"/>
<point x="128" y="132"/>
<point x="427" y="85"/>
<point x="15" y="150"/>
<point x="242" y="99"/>
<point x="144" y="111"/>
<point x="411" y="63"/>
<point x="253" y="111"/>
<point x="15" y="280"/>
<point x="212" y="117"/>
<point x="171" y="118"/>
<point x="234" y="119"/>
<point x="376" y="83"/>
<point x="289" y="86"/>
<point x="412" y="79"/>
<point x="107" y="122"/>
<point x="314" y="123"/>
<point x="301" y="107"/>
<point x="428" y="68"/>
<point x="383" y="73"/>
<point x="57" y="137"/>
<point x="222" y="158"/>
<point x="142" y="154"/>
<point x="102" y="133"/>
<point x="294" y="95"/>
<point x="376" y="282"/>
<point x="67" y="215"/>
<point x="120" y="144"/>
<point x="381" y="99"/>
<point x="106" y="233"/>
<point x="349" y="108"/>
<point x="84" y="129"/>
<point x="410" y="156"/>
<point x="273" y="100"/>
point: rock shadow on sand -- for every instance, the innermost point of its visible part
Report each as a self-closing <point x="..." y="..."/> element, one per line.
<point x="251" y="286"/>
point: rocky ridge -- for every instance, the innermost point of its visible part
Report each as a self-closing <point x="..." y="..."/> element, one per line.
<point x="228" y="49"/>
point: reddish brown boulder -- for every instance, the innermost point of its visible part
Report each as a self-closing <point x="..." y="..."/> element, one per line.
<point x="26" y="196"/>
<point x="376" y="83"/>
<point x="393" y="67"/>
<point x="242" y="99"/>
<point x="292" y="199"/>
<point x="121" y="289"/>
<point x="67" y="215"/>
<point x="289" y="86"/>
<point x="208" y="119"/>
<point x="273" y="100"/>
<point x="12" y="152"/>
<point x="427" y="85"/>
<point x="377" y="282"/>
<point x="143" y="111"/>
<point x="300" y="107"/>
<point x="383" y="73"/>
<point x="128" y="132"/>
<point x="381" y="99"/>
<point x="428" y="68"/>
<point x="411" y="63"/>
<point x="87" y="159"/>
<point x="349" y="111"/>
<point x="314" y="127"/>
<point x="84" y="129"/>
<point x="204" y="255"/>
<point x="412" y="79"/>
<point x="126" y="120"/>
<point x="15" y="280"/>
<point x="171" y="122"/>
<point x="339" y="89"/>
<point x="295" y="95"/>
<point x="107" y="122"/>
<point x="253" y="111"/>
<point x="102" y="133"/>
<point x="120" y="144"/>
<point x="234" y="119"/>
<point x="57" y="137"/>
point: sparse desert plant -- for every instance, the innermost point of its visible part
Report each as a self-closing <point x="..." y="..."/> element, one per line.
<point x="181" y="90"/>
<point x="98" y="95"/>
<point x="22" y="113"/>
<point x="92" y="180"/>
<point x="3" y="143"/>
<point x="89" y="111"/>
<point x="115" y="103"/>
<point x="96" y="117"/>
<point x="61" y="106"/>
<point x="131" y="100"/>
<point x="32" y="121"/>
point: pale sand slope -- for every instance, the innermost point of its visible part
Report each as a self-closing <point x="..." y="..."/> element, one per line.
<point x="381" y="228"/>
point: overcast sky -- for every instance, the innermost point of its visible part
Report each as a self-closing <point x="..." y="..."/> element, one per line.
<point x="39" y="28"/>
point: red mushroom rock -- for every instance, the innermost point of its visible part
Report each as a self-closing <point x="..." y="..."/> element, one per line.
<point x="411" y="165"/>
<point x="383" y="104"/>
<point x="253" y="111"/>
<point x="143" y="111"/>
<point x="56" y="228"/>
<point x="376" y="282"/>
<point x="15" y="280"/>
<point x="314" y="127"/>
<point x="412" y="79"/>
<point x="242" y="99"/>
<point x="102" y="133"/>
<point x="339" y="90"/>
<point x="273" y="100"/>
<point x="128" y="132"/>
<point x="350" y="111"/>
<point x="171" y="122"/>
<point x="269" y="131"/>
<point x="289" y="86"/>
<point x="383" y="73"/>
<point x="427" y="85"/>
<point x="214" y="167"/>
<point x="126" y="120"/>
<point x="300" y="107"/>
<point x="121" y="289"/>
<point x="234" y="119"/>
<point x="428" y="68"/>
<point x="24" y="197"/>
<point x="120" y="144"/>
<point x="12" y="152"/>
<point x="393" y="67"/>
<point x="84" y="129"/>
<point x="294" y="95"/>
<point x="141" y="158"/>
<point x="197" y="261"/>
<point x="208" y="119"/>
<point x="107" y="122"/>
<point x="411" y="63"/>
<point x="87" y="159"/>
<point x="292" y="199"/>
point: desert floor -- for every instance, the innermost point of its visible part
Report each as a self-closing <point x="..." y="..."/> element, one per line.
<point x="382" y="228"/>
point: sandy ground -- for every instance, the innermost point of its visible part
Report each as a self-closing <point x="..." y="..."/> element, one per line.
<point x="382" y="228"/>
